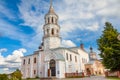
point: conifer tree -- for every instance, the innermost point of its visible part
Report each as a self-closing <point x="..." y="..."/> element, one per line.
<point x="109" y="46"/>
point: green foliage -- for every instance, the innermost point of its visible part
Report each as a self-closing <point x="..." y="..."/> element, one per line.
<point x="37" y="77"/>
<point x="17" y="74"/>
<point x="13" y="76"/>
<point x="109" y="46"/>
<point x="3" y="77"/>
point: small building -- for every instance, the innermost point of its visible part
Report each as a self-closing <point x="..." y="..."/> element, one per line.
<point x="94" y="66"/>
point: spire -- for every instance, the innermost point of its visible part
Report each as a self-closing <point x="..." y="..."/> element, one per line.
<point x="51" y="10"/>
<point x="50" y="2"/>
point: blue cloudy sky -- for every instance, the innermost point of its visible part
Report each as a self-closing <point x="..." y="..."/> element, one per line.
<point x="21" y="23"/>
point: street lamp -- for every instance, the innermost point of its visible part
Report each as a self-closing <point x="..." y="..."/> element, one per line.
<point x="118" y="37"/>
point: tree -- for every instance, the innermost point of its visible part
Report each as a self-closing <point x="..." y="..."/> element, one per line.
<point x="109" y="46"/>
<point x="17" y="74"/>
<point x="3" y="77"/>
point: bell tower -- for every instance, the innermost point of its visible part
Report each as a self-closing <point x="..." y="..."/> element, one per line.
<point x="92" y="54"/>
<point x="51" y="38"/>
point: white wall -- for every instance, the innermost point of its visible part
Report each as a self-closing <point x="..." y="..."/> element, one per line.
<point x="60" y="69"/>
<point x="28" y="69"/>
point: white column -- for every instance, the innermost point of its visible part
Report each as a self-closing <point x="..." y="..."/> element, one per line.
<point x="31" y="69"/>
<point x="57" y="69"/>
<point x="46" y="68"/>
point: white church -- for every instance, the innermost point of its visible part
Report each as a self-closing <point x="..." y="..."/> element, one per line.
<point x="52" y="60"/>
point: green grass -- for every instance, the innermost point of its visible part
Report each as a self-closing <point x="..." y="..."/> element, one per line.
<point x="113" y="78"/>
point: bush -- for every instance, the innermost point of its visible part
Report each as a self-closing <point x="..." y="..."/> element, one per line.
<point x="3" y="77"/>
<point x="17" y="74"/>
<point x="37" y="77"/>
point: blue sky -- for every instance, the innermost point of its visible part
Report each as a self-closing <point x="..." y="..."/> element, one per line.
<point x="21" y="23"/>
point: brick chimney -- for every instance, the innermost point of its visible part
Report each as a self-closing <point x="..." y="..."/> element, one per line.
<point x="82" y="46"/>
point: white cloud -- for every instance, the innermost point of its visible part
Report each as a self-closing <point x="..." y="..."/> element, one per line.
<point x="3" y="50"/>
<point x="12" y="61"/>
<point x="6" y="11"/>
<point x="11" y="31"/>
<point x="83" y="15"/>
<point x="68" y="43"/>
<point x="31" y="12"/>
<point x="5" y="69"/>
<point x="2" y="60"/>
<point x="93" y="27"/>
<point x="74" y="15"/>
<point x="15" y="56"/>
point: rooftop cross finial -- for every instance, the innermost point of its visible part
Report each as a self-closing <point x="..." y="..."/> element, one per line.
<point x="50" y="2"/>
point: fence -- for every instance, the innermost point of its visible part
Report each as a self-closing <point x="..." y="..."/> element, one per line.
<point x="68" y="75"/>
<point x="114" y="74"/>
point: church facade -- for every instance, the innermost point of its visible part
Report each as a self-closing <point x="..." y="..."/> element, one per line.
<point x="52" y="60"/>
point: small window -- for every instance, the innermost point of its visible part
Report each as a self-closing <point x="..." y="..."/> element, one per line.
<point x="47" y="31"/>
<point x="24" y="62"/>
<point x="67" y="56"/>
<point x="48" y="20"/>
<point x="70" y="57"/>
<point x="57" y="31"/>
<point x="34" y="60"/>
<point x="34" y="71"/>
<point x="52" y="31"/>
<point x="29" y="61"/>
<point x="56" y="21"/>
<point x="75" y="58"/>
<point x="52" y="20"/>
<point x="82" y="60"/>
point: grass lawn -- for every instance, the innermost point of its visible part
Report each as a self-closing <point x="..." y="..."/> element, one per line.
<point x="113" y="78"/>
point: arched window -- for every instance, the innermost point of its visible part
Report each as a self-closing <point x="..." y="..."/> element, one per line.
<point x="67" y="56"/>
<point x="34" y="71"/>
<point x="75" y="58"/>
<point x="57" y="31"/>
<point x="29" y="61"/>
<point x="55" y="21"/>
<point x="24" y="62"/>
<point x="52" y="20"/>
<point x="48" y="20"/>
<point x="35" y="60"/>
<point x="52" y="31"/>
<point x="47" y="31"/>
<point x="70" y="57"/>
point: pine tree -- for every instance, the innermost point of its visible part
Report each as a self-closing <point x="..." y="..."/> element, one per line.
<point x="109" y="46"/>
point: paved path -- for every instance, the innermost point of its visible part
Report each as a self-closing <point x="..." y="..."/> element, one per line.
<point x="87" y="78"/>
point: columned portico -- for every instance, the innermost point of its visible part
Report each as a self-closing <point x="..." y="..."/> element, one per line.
<point x="53" y="63"/>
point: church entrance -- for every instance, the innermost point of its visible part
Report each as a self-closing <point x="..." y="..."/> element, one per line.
<point x="53" y="67"/>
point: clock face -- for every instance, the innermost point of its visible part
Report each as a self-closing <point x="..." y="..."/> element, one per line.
<point x="118" y="37"/>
